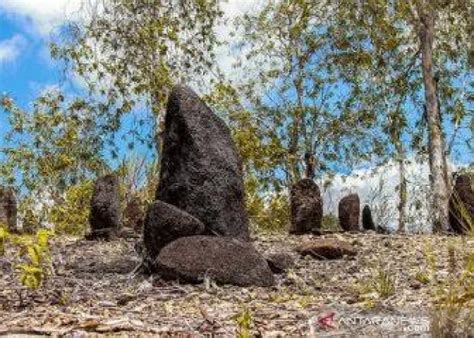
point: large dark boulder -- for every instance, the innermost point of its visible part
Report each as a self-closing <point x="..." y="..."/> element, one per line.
<point x="223" y="259"/>
<point x="164" y="223"/>
<point x="367" y="221"/>
<point x="461" y="205"/>
<point x="349" y="212"/>
<point x="8" y="208"/>
<point x="105" y="211"/>
<point x="200" y="169"/>
<point x="306" y="207"/>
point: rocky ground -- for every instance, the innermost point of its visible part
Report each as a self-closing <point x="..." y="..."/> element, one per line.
<point x="387" y="288"/>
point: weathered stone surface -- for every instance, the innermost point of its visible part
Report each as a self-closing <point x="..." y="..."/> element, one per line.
<point x="8" y="208"/>
<point x="367" y="221"/>
<point x="349" y="212"/>
<point x="223" y="259"/>
<point x="200" y="169"/>
<point x="164" y="223"/>
<point x="279" y="262"/>
<point x="326" y="249"/>
<point x="461" y="204"/>
<point x="306" y="207"/>
<point x="105" y="212"/>
<point x="134" y="214"/>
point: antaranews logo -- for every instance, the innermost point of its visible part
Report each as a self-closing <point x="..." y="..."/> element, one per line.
<point x="387" y="323"/>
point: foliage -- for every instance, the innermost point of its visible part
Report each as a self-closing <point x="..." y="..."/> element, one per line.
<point x="33" y="251"/>
<point x="53" y="146"/>
<point x="291" y="91"/>
<point x="130" y="53"/>
<point x="380" y="285"/>
<point x="266" y="213"/>
<point x="244" y="321"/>
<point x="330" y="223"/>
<point x="71" y="214"/>
<point x="453" y="298"/>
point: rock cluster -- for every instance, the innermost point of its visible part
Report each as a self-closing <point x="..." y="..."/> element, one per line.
<point x="349" y="212"/>
<point x="105" y="213"/>
<point x="8" y="208"/>
<point x="198" y="225"/>
<point x="461" y="205"/>
<point x="306" y="207"/>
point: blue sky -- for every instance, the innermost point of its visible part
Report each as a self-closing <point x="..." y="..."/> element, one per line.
<point x="26" y="68"/>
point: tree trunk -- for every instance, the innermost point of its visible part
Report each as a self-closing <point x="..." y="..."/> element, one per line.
<point x="402" y="193"/>
<point x="435" y="135"/>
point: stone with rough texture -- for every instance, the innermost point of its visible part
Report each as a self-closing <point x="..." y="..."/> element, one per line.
<point x="8" y="208"/>
<point x="326" y="249"/>
<point x="164" y="223"/>
<point x="306" y="207"/>
<point x="200" y="168"/>
<point x="105" y="211"/>
<point x="223" y="259"/>
<point x="461" y="205"/>
<point x="349" y="212"/>
<point x="280" y="262"/>
<point x="367" y="221"/>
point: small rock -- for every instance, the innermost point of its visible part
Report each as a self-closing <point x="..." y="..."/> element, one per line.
<point x="8" y="208"/>
<point x="461" y="204"/>
<point x="280" y="262"/>
<point x="326" y="249"/>
<point x="306" y="207"/>
<point x="105" y="208"/>
<point x="349" y="211"/>
<point x="223" y="259"/>
<point x="367" y="221"/>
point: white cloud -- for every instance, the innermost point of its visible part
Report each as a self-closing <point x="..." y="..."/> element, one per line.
<point x="40" y="16"/>
<point x="11" y="48"/>
<point x="378" y="187"/>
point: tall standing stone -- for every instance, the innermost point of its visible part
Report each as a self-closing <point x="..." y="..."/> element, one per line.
<point x="200" y="169"/>
<point x="8" y="208"/>
<point x="105" y="212"/>
<point x="367" y="221"/>
<point x="306" y="207"/>
<point x="461" y="205"/>
<point x="349" y="212"/>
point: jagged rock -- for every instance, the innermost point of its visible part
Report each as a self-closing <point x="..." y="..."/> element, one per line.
<point x="134" y="214"/>
<point x="200" y="169"/>
<point x="164" y="223"/>
<point x="8" y="208"/>
<point x="306" y="207"/>
<point x="461" y="204"/>
<point x="105" y="212"/>
<point x="367" y="221"/>
<point x="349" y="211"/>
<point x="223" y="259"/>
<point x="280" y="262"/>
<point x="326" y="249"/>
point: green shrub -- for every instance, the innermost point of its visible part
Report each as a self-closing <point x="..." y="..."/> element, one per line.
<point x="33" y="255"/>
<point x="330" y="223"/>
<point x="71" y="216"/>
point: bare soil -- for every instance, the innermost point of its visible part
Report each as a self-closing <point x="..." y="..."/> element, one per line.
<point x="93" y="291"/>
